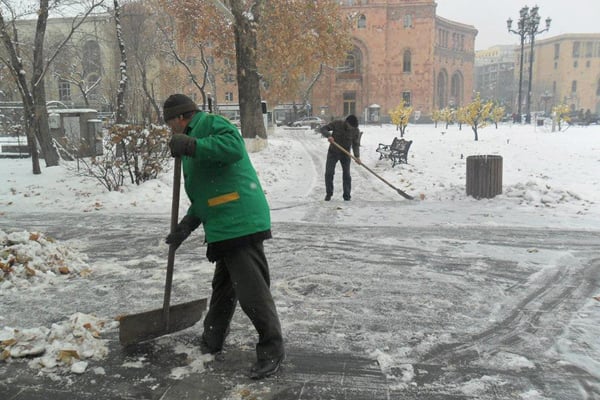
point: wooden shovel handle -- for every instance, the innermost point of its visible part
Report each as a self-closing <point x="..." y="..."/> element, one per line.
<point x="172" y="247"/>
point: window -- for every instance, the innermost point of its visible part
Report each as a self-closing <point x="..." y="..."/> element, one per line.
<point x="64" y="91"/>
<point x="575" y="64"/>
<point x="589" y="49"/>
<point x="576" y="46"/>
<point x="406" y="61"/>
<point x="408" y="22"/>
<point x="349" y="103"/>
<point x="228" y="96"/>
<point x="556" y="51"/>
<point x="210" y="60"/>
<point x="228" y="78"/>
<point x="352" y="64"/>
<point x="406" y="98"/>
<point x="91" y="57"/>
<point x="362" y="22"/>
<point x="598" y="88"/>
<point x="574" y="87"/>
<point x="554" y="88"/>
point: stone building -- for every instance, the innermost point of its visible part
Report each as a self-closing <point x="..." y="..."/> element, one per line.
<point x="566" y="70"/>
<point x="402" y="51"/>
<point x="495" y="75"/>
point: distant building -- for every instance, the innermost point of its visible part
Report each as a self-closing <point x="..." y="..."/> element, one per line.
<point x="566" y="69"/>
<point x="495" y="75"/>
<point x="403" y="52"/>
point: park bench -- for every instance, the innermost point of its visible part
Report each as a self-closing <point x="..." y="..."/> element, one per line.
<point x="397" y="151"/>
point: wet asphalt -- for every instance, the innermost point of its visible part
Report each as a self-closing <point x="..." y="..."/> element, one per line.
<point x="443" y="301"/>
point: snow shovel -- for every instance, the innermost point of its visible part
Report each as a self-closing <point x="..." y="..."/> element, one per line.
<point x="400" y="192"/>
<point x="136" y="328"/>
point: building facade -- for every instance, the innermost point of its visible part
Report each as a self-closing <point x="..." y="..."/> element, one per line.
<point x="403" y="52"/>
<point x="566" y="70"/>
<point x="495" y="75"/>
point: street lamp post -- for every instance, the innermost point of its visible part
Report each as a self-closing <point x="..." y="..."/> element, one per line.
<point x="532" y="29"/>
<point x="522" y="32"/>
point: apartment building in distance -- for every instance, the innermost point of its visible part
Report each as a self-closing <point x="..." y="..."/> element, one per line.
<point x="495" y="75"/>
<point x="566" y="70"/>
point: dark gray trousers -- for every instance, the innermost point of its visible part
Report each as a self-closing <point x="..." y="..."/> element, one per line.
<point x="333" y="157"/>
<point x="243" y="275"/>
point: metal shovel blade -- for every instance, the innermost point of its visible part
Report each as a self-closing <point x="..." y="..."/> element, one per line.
<point x="137" y="328"/>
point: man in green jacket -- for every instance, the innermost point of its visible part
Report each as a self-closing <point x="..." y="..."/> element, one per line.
<point x="227" y="199"/>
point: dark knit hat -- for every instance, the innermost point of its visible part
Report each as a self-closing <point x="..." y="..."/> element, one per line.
<point x="176" y="105"/>
<point x="352" y="120"/>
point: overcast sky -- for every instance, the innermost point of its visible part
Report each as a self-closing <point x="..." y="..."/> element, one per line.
<point x="489" y="17"/>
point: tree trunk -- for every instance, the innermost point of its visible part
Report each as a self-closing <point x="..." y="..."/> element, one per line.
<point x="247" y="71"/>
<point x="38" y="91"/>
<point x="474" y="127"/>
<point x="121" y="115"/>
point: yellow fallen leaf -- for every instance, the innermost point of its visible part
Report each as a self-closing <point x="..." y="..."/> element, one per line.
<point x="9" y="342"/>
<point x="67" y="356"/>
<point x="4" y="355"/>
<point x="63" y="270"/>
<point x="29" y="271"/>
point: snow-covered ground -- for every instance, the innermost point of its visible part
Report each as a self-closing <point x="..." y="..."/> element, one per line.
<point x="551" y="180"/>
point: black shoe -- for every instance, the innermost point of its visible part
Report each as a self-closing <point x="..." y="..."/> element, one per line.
<point x="265" y="368"/>
<point x="346" y="198"/>
<point x="206" y="349"/>
<point x="328" y="197"/>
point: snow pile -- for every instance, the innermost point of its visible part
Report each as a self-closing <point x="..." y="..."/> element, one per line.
<point x="65" y="347"/>
<point x="30" y="258"/>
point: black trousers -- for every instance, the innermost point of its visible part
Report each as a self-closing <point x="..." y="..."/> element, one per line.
<point x="333" y="157"/>
<point x="243" y="275"/>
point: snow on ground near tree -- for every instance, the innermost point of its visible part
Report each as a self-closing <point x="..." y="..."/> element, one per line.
<point x="550" y="179"/>
<point x="554" y="177"/>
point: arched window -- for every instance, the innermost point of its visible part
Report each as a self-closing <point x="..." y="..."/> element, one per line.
<point x="456" y="89"/>
<point x="442" y="82"/>
<point x="362" y="21"/>
<point x="407" y="61"/>
<point x="353" y="63"/>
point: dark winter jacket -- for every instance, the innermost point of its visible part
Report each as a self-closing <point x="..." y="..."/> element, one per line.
<point x="344" y="134"/>
<point x="222" y="184"/>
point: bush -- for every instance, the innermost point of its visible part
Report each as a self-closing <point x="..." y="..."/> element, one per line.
<point x="129" y="150"/>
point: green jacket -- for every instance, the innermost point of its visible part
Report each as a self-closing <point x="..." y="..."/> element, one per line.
<point x="221" y="182"/>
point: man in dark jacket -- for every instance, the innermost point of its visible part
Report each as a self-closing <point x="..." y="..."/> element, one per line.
<point x="227" y="199"/>
<point x="346" y="134"/>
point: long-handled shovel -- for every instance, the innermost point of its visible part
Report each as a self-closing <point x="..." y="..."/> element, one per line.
<point x="400" y="192"/>
<point x="136" y="328"/>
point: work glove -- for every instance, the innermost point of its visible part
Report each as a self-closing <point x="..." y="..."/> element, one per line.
<point x="183" y="229"/>
<point x="182" y="145"/>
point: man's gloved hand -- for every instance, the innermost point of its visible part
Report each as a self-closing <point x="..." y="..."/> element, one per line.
<point x="183" y="229"/>
<point x="182" y="145"/>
